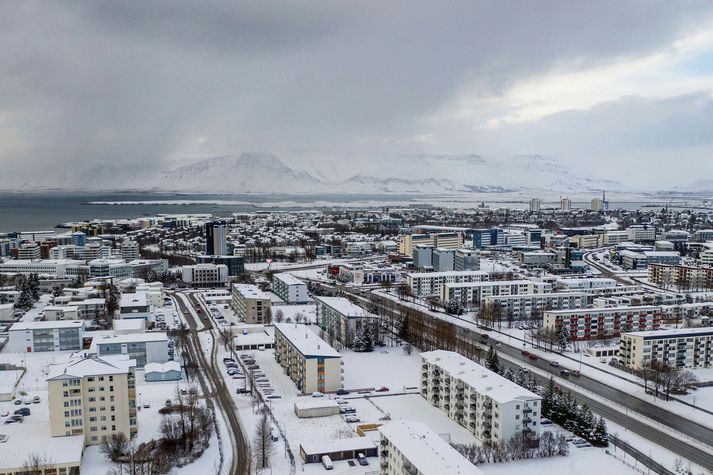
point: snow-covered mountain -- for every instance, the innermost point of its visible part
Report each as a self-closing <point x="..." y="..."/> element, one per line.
<point x="263" y="173"/>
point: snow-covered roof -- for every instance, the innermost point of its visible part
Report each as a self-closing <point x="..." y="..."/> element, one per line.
<point x="137" y="299"/>
<point x="315" y="403"/>
<point x="343" y="306"/>
<point x="672" y="333"/>
<point x="494" y="283"/>
<point x="589" y="311"/>
<point x="481" y="379"/>
<point x="90" y="366"/>
<point x="162" y="367"/>
<point x="21" y="326"/>
<point x="306" y="342"/>
<point x="426" y="450"/>
<point x="130" y="338"/>
<point x="288" y="279"/>
<point x="59" y="450"/>
<point x="251" y="291"/>
<point x="453" y="273"/>
<point x="337" y="445"/>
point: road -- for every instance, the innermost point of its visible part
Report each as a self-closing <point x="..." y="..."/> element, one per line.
<point x="221" y="394"/>
<point x="591" y="391"/>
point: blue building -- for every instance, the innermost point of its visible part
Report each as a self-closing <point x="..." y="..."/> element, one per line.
<point x="487" y="237"/>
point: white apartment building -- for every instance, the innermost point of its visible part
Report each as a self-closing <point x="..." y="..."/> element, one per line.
<point x="93" y="396"/>
<point x="57" y="267"/>
<point x="565" y="204"/>
<point x="27" y="337"/>
<point x="600" y="323"/>
<point x="289" y="288"/>
<point x="472" y="293"/>
<point x="535" y="205"/>
<point x="615" y="237"/>
<point x="641" y="233"/>
<point x="308" y="360"/>
<point x="490" y="406"/>
<point x="685" y="277"/>
<point x="129" y="250"/>
<point x="143" y="348"/>
<point x="407" y="447"/>
<point x="424" y="284"/>
<point x="251" y="304"/>
<point x="134" y="305"/>
<point x="30" y="250"/>
<point x="340" y="321"/>
<point x="522" y="306"/>
<point x="678" y="348"/>
<point x="205" y="275"/>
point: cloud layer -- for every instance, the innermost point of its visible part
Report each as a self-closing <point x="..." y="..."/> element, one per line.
<point x="344" y="86"/>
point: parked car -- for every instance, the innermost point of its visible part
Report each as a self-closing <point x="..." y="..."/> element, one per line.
<point x="342" y="402"/>
<point x="362" y="460"/>
<point x="532" y="357"/>
<point x="317" y="394"/>
<point x="147" y="405"/>
<point x="327" y="462"/>
<point x="18" y="402"/>
<point x="25" y="411"/>
<point x="525" y="353"/>
<point x="10" y="420"/>
<point x="17" y="418"/>
<point x="347" y="410"/>
<point x="564" y="372"/>
<point x="168" y="403"/>
<point x="228" y="360"/>
<point x="554" y="364"/>
<point x="4" y="413"/>
<point x="27" y="401"/>
<point x="36" y="400"/>
<point x="382" y="389"/>
<point x="351" y="418"/>
<point x="274" y="396"/>
<point x="4" y="438"/>
<point x="342" y="392"/>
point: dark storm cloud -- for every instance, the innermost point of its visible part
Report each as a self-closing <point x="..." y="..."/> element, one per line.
<point x="137" y="83"/>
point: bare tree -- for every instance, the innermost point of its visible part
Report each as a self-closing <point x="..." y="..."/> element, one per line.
<point x="262" y="442"/>
<point x="279" y="315"/>
<point x="37" y="464"/>
<point x="114" y="446"/>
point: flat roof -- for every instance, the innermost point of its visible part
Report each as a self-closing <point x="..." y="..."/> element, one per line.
<point x="584" y="311"/>
<point x="306" y="341"/>
<point x="251" y="291"/>
<point x="344" y="306"/>
<point x="426" y="450"/>
<point x="59" y="450"/>
<point x="494" y="283"/>
<point x="288" y="279"/>
<point x="21" y="326"/>
<point x="315" y="403"/>
<point x="130" y="338"/>
<point x="337" y="445"/>
<point x="673" y="333"/>
<point x="136" y="299"/>
<point x="479" y="377"/>
<point x="453" y="273"/>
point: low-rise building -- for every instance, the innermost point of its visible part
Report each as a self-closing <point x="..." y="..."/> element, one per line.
<point x="27" y="337"/>
<point x="289" y="288"/>
<point x="94" y="397"/>
<point x="677" y="348"/>
<point x="472" y="293"/>
<point x="424" y="284"/>
<point x="467" y="259"/>
<point x="341" y="321"/>
<point x="143" y="348"/>
<point x="251" y="304"/>
<point x="308" y="360"/>
<point x="53" y="312"/>
<point x="411" y="447"/>
<point x="117" y="268"/>
<point x="601" y="323"/>
<point x="134" y="305"/>
<point x="490" y="406"/>
<point x="521" y="307"/>
<point x="205" y="275"/>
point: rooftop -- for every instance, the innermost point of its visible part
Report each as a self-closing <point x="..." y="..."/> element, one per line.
<point x="288" y="279"/>
<point x="453" y="273"/>
<point x="306" y="342"/>
<point x="426" y="450"/>
<point x="337" y="445"/>
<point x="20" y="326"/>
<point x="484" y="381"/>
<point x="138" y="299"/>
<point x="82" y="366"/>
<point x="251" y="291"/>
<point x="673" y="333"/>
<point x="343" y="306"/>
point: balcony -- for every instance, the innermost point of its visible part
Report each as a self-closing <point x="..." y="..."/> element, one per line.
<point x="527" y="410"/>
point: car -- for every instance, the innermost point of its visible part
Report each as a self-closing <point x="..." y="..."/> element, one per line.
<point x="603" y="360"/>
<point x="228" y="360"/>
<point x="18" y="402"/>
<point x="342" y="392"/>
<point x="27" y="401"/>
<point x="554" y="364"/>
<point x="169" y="403"/>
<point x="351" y="418"/>
<point x="524" y="370"/>
<point x="317" y="394"/>
<point x="498" y="345"/>
<point x="382" y="389"/>
<point x="362" y="460"/>
<point x="274" y="396"/>
<point x="36" y="400"/>
<point x="17" y="418"/>
<point x="4" y="413"/>
<point x="4" y="438"/>
<point x="341" y="402"/>
<point x="532" y="357"/>
<point x="576" y="373"/>
<point x="147" y="405"/>
<point x="564" y="372"/>
<point x="545" y="422"/>
<point x="25" y="411"/>
<point x="347" y="410"/>
<point x="10" y="420"/>
<point x="525" y="353"/>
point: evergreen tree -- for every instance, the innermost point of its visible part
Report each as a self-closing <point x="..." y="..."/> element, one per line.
<point x="509" y="374"/>
<point x="492" y="362"/>
<point x="33" y="285"/>
<point x="562" y="337"/>
<point x="405" y="328"/>
<point x="57" y="291"/>
<point x="600" y="436"/>
<point x="368" y="340"/>
<point x="548" y="398"/>
<point x="24" y="301"/>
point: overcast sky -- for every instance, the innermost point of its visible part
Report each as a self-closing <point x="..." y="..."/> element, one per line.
<point x="597" y="84"/>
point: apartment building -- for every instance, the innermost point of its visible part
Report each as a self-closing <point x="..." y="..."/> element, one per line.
<point x="251" y="304"/>
<point x="289" y="288"/>
<point x="205" y="275"/>
<point x="537" y="258"/>
<point x="600" y="323"/>
<point x="449" y="240"/>
<point x="308" y="360"/>
<point x="45" y="336"/>
<point x="472" y="293"/>
<point x="340" y="321"/>
<point x="687" y="277"/>
<point x="142" y="348"/>
<point x="57" y="267"/>
<point x="490" y="406"/>
<point x="467" y="260"/>
<point x="411" y="447"/>
<point x="30" y="250"/>
<point x="431" y="283"/>
<point x="639" y="233"/>
<point x="129" y="250"/>
<point x="678" y="348"/>
<point x="92" y="396"/>
<point x="521" y="307"/>
<point x="535" y="204"/>
<point x="88" y="309"/>
<point x="586" y="241"/>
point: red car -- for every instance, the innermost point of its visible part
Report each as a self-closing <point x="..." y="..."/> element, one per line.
<point x="532" y="357"/>
<point x="382" y="389"/>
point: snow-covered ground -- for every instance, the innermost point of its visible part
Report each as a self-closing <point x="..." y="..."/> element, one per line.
<point x="579" y="462"/>
<point x="387" y="366"/>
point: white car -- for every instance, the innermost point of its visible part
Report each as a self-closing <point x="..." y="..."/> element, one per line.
<point x="317" y="394"/>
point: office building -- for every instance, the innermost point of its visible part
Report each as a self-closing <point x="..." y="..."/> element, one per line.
<point x="289" y="288"/>
<point x="94" y="397"/>
<point x="216" y="243"/>
<point x="129" y="250"/>
<point x="411" y="447"/>
<point x="235" y="264"/>
<point x="641" y="233"/>
<point x="600" y="323"/>
<point x="56" y="267"/>
<point x="487" y="237"/>
<point x="490" y="406"/>
<point x="449" y="240"/>
<point x="28" y="337"/>
<point x="677" y="348"/>
<point x="30" y="250"/>
<point x="117" y="268"/>
<point x="422" y="256"/>
<point x="251" y="304"/>
<point x="134" y="305"/>
<point x="424" y="284"/>
<point x="443" y="259"/>
<point x="308" y="360"/>
<point x="205" y="275"/>
<point x="341" y="321"/>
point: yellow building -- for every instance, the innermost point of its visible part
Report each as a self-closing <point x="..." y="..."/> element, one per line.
<point x="308" y="360"/>
<point x="93" y="396"/>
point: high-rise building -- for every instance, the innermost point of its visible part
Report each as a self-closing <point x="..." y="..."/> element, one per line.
<point x="215" y="238"/>
<point x="535" y="205"/>
<point x="565" y="204"/>
<point x="597" y="204"/>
